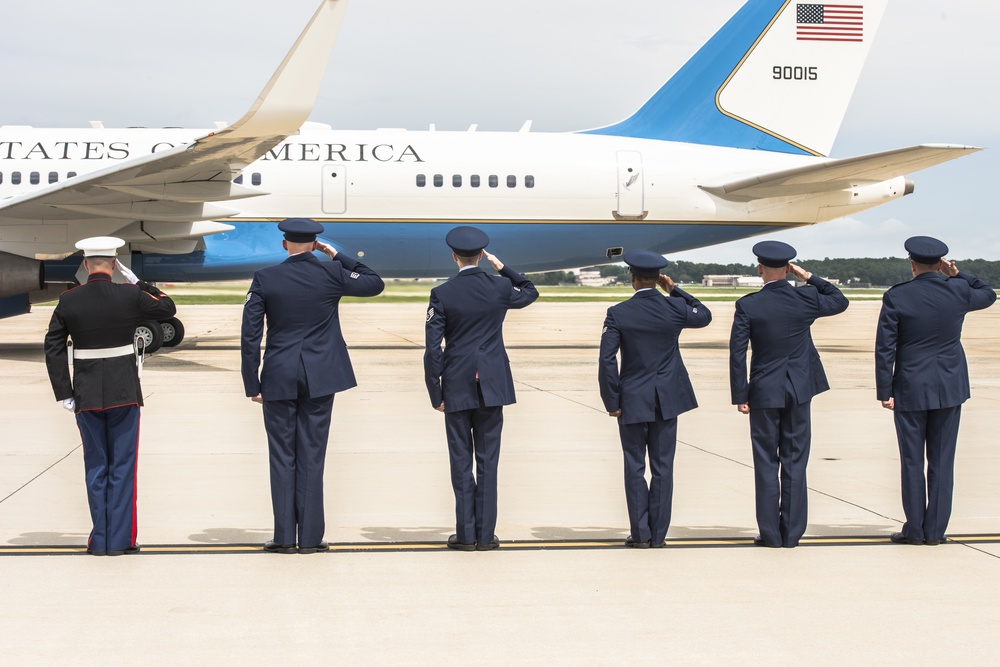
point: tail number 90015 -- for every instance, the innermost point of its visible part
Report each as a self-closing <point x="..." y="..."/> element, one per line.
<point x="789" y="73"/>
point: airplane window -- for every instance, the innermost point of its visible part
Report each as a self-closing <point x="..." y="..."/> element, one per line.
<point x="255" y="178"/>
<point x="494" y="181"/>
<point x="421" y="180"/>
<point x="70" y="174"/>
<point x="456" y="181"/>
<point x="438" y="180"/>
<point x="474" y="180"/>
<point x="53" y="177"/>
<point x="529" y="181"/>
<point x="512" y="181"/>
<point x="238" y="180"/>
<point x="35" y="178"/>
<point x="15" y="178"/>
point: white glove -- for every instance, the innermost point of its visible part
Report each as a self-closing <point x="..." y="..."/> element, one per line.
<point x="127" y="273"/>
<point x="70" y="404"/>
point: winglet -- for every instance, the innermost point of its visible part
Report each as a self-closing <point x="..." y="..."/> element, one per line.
<point x="288" y="98"/>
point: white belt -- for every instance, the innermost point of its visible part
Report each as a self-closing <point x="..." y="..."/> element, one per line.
<point x="103" y="352"/>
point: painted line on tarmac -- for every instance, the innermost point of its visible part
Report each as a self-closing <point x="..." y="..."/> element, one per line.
<point x="508" y="545"/>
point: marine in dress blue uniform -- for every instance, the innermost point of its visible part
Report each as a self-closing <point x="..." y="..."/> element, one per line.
<point x="100" y="317"/>
<point x="785" y="374"/>
<point x="469" y="379"/>
<point x="305" y="364"/>
<point x="651" y="389"/>
<point x="922" y="376"/>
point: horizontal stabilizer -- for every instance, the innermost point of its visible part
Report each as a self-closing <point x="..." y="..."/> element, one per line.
<point x="837" y="174"/>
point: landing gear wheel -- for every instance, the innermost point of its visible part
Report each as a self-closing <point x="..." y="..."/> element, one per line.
<point x="173" y="332"/>
<point x="151" y="333"/>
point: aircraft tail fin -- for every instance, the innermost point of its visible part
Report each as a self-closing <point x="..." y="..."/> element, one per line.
<point x="777" y="76"/>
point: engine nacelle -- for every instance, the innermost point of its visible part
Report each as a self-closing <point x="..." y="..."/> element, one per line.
<point x="19" y="275"/>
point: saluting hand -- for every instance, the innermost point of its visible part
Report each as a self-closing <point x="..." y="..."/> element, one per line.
<point x="665" y="283"/>
<point x="327" y="250"/>
<point x="492" y="259"/>
<point x="799" y="272"/>
<point x="948" y="268"/>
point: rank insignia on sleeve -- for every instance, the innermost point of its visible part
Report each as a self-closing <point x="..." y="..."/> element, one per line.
<point x="249" y="294"/>
<point x="604" y="331"/>
<point x="355" y="275"/>
<point x="695" y="309"/>
<point x="430" y="314"/>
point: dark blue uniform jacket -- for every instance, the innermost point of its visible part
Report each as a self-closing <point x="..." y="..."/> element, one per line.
<point x="775" y="322"/>
<point x="919" y="360"/>
<point x="653" y="383"/>
<point x="467" y="313"/>
<point x="300" y="299"/>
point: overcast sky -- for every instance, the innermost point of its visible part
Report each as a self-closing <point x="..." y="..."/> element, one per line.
<point x="564" y="64"/>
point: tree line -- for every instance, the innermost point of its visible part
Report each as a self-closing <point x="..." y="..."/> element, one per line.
<point x="880" y="271"/>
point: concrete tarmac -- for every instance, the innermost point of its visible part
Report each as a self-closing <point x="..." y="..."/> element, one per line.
<point x="561" y="589"/>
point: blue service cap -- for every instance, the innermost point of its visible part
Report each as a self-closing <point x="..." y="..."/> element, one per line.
<point x="774" y="254"/>
<point x="300" y="230"/>
<point x="925" y="249"/>
<point x="644" y="263"/>
<point x="467" y="241"/>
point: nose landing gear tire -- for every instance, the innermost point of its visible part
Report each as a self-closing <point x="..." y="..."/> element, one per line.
<point x="152" y="334"/>
<point x="173" y="332"/>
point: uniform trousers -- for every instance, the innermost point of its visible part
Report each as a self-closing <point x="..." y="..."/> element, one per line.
<point x="781" y="440"/>
<point x="297" y="435"/>
<point x="649" y="506"/>
<point x="474" y="434"/>
<point x="110" y="453"/>
<point x="927" y="504"/>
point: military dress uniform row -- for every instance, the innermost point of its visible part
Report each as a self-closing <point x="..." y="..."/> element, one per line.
<point x="921" y="375"/>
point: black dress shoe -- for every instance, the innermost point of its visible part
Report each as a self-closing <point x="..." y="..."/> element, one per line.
<point x="273" y="547"/>
<point x="134" y="549"/>
<point x="660" y="545"/>
<point x="94" y="552"/>
<point x="453" y="543"/>
<point x="759" y="541"/>
<point x="494" y="544"/>
<point x="899" y="538"/>
<point x="322" y="546"/>
<point x="635" y="544"/>
<point x="934" y="543"/>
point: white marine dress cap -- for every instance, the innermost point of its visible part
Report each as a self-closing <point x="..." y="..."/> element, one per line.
<point x="100" y="246"/>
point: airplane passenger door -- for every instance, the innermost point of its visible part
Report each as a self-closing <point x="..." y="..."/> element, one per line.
<point x="335" y="188"/>
<point x="630" y="186"/>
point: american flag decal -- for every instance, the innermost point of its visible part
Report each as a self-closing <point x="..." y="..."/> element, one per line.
<point x="829" y="23"/>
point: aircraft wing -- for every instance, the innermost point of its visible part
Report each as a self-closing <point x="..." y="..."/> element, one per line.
<point x="163" y="201"/>
<point x="842" y="174"/>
